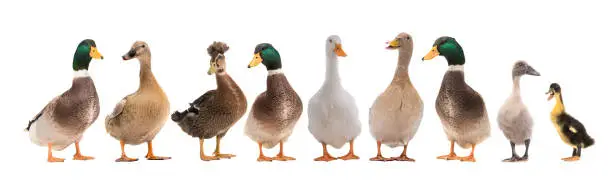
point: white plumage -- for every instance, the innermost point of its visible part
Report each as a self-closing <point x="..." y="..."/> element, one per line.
<point x="332" y="112"/>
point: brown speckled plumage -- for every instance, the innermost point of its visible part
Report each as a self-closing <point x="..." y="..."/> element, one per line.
<point x="66" y="117"/>
<point x="215" y="112"/>
<point x="462" y="111"/>
<point x="274" y="112"/>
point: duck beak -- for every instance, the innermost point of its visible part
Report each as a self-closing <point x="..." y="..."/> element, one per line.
<point x="339" y="51"/>
<point x="393" y="44"/>
<point x="256" y="60"/>
<point x="212" y="69"/>
<point x="129" y="55"/>
<point x="95" y="54"/>
<point x="551" y="94"/>
<point x="531" y="71"/>
<point x="433" y="53"/>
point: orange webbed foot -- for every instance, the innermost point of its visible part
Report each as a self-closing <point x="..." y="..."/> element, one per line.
<point x="325" y="157"/>
<point x="571" y="159"/>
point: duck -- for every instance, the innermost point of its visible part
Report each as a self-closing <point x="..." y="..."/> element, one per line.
<point x="395" y="115"/>
<point x="513" y="117"/>
<point x="216" y="111"/>
<point x="67" y="116"/>
<point x="333" y="117"/>
<point x="139" y="116"/>
<point x="275" y="112"/>
<point x="571" y="131"/>
<point x="461" y="109"/>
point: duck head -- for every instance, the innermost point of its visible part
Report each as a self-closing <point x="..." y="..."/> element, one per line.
<point x="449" y="48"/>
<point x="217" y="57"/>
<point x="402" y="41"/>
<point x="554" y="91"/>
<point x="217" y="65"/>
<point x="86" y="50"/>
<point x="333" y="46"/>
<point x="139" y="50"/>
<point x="522" y="68"/>
<point x="266" y="54"/>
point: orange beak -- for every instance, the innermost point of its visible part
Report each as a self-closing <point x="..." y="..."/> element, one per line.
<point x="338" y="50"/>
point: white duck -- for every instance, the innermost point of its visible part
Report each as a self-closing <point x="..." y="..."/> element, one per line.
<point x="332" y="112"/>
<point x="513" y="118"/>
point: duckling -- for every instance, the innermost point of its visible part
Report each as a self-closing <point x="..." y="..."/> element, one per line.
<point x="396" y="114"/>
<point x="138" y="117"/>
<point x="513" y="118"/>
<point x="215" y="112"/>
<point x="332" y="112"/>
<point x="461" y="109"/>
<point x="571" y="131"/>
<point x="275" y="111"/>
<point x="66" y="117"/>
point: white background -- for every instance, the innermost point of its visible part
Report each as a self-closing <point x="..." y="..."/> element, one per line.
<point x="567" y="42"/>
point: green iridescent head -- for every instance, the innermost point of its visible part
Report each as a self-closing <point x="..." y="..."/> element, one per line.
<point x="267" y="55"/>
<point x="86" y="51"/>
<point x="449" y="48"/>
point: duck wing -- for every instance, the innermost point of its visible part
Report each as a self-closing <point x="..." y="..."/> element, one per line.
<point x="118" y="109"/>
<point x="204" y="99"/>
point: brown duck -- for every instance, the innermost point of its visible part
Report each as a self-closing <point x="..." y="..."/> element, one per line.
<point x="275" y="111"/>
<point x="215" y="112"/>
<point x="138" y="117"/>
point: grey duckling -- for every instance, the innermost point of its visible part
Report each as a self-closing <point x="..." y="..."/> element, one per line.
<point x="513" y="117"/>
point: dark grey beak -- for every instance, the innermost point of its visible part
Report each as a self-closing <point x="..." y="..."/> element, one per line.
<point x="531" y="71"/>
<point x="129" y="55"/>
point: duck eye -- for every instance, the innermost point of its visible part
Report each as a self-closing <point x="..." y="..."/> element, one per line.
<point x="329" y="40"/>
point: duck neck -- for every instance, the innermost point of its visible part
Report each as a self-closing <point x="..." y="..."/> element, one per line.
<point x="401" y="71"/>
<point x="516" y="86"/>
<point x="332" y="76"/>
<point x="559" y="107"/>
<point x="224" y="82"/>
<point x="147" y="79"/>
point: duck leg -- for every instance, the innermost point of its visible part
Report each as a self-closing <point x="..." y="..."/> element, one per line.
<point x="261" y="155"/>
<point x="281" y="156"/>
<point x="78" y="156"/>
<point x="203" y="156"/>
<point x="151" y="156"/>
<point x="451" y="155"/>
<point x="218" y="153"/>
<point x="526" y="155"/>
<point x="326" y="157"/>
<point x="403" y="156"/>
<point x="50" y="157"/>
<point x="471" y="157"/>
<point x="379" y="156"/>
<point x="575" y="154"/>
<point x="514" y="157"/>
<point x="124" y="157"/>
<point x="350" y="155"/>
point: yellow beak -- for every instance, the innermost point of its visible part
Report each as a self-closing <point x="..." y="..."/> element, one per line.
<point x="95" y="54"/>
<point x="433" y="53"/>
<point x="212" y="69"/>
<point x="256" y="60"/>
<point x="339" y="51"/>
<point x="393" y="44"/>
